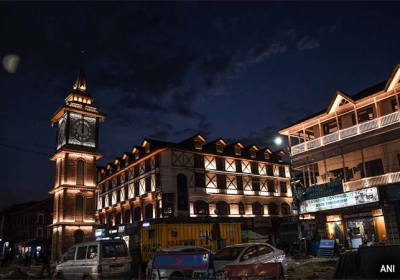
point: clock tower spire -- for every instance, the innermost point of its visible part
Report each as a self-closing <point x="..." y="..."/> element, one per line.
<point x="75" y="186"/>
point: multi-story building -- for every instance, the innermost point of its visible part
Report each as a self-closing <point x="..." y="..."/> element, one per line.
<point x="349" y="155"/>
<point x="25" y="226"/>
<point x="192" y="180"/>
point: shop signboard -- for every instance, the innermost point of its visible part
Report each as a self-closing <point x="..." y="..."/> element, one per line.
<point x="168" y="202"/>
<point x="262" y="222"/>
<point x="393" y="192"/>
<point x="321" y="190"/>
<point x="359" y="197"/>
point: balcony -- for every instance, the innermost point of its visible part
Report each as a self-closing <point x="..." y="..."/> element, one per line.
<point x="347" y="133"/>
<point x="376" y="181"/>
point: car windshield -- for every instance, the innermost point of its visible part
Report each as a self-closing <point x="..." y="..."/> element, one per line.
<point x="228" y="253"/>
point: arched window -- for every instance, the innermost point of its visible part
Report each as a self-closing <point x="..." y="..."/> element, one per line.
<point x="40" y="218"/>
<point x="39" y="232"/>
<point x="78" y="236"/>
<point x="285" y="209"/>
<point x="242" y="211"/>
<point x="79" y="208"/>
<point x="223" y="208"/>
<point x="138" y="214"/>
<point x="201" y="207"/>
<point x="149" y="211"/>
<point x="273" y="209"/>
<point x="59" y="207"/>
<point x="80" y="171"/>
<point x="183" y="202"/>
<point x="257" y="208"/>
<point x="127" y="215"/>
<point x="118" y="218"/>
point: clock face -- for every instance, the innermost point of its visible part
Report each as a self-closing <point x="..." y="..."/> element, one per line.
<point x="82" y="130"/>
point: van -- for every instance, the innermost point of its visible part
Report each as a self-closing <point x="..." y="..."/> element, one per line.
<point x="100" y="259"/>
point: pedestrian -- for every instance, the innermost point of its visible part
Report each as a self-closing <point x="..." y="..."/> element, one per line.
<point x="45" y="257"/>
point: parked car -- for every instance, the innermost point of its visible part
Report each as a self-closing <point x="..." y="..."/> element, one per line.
<point x="100" y="259"/>
<point x="173" y="273"/>
<point x="247" y="253"/>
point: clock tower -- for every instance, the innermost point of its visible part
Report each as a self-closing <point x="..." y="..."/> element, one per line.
<point x="75" y="186"/>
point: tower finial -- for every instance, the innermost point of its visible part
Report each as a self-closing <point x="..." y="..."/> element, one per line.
<point x="82" y="58"/>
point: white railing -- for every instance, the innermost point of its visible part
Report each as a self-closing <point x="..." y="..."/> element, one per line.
<point x="376" y="181"/>
<point x="347" y="133"/>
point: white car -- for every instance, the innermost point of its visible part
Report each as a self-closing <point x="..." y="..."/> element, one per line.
<point x="247" y="253"/>
<point x="172" y="273"/>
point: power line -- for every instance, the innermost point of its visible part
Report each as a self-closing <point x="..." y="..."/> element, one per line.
<point x="26" y="150"/>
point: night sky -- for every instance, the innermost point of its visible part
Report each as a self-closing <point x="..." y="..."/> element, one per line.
<point x="169" y="70"/>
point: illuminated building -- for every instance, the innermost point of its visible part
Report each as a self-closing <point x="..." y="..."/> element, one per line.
<point x="349" y="155"/>
<point x="77" y="123"/>
<point x="190" y="181"/>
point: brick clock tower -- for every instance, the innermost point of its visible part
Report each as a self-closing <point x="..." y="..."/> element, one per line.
<point x="75" y="185"/>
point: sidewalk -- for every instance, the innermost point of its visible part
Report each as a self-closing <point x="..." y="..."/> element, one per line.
<point x="19" y="272"/>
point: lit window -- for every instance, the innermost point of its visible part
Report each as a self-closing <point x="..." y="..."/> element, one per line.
<point x="197" y="144"/>
<point x="237" y="151"/>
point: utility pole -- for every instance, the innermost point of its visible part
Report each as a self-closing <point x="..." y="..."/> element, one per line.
<point x="296" y="201"/>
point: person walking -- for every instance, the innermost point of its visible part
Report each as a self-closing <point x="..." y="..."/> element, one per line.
<point x="45" y="257"/>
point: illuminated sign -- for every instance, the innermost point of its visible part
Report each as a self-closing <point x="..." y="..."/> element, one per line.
<point x="317" y="191"/>
<point x="340" y="200"/>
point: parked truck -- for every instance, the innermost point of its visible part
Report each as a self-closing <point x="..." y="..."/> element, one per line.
<point x="213" y="236"/>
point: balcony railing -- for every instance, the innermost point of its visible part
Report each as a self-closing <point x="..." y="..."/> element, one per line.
<point x="376" y="181"/>
<point x="347" y="133"/>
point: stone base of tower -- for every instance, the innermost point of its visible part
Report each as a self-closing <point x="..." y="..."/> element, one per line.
<point x="64" y="236"/>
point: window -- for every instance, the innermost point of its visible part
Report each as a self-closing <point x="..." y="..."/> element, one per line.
<point x="200" y="207"/>
<point x="271" y="186"/>
<point x="147" y="164"/>
<point x="79" y="208"/>
<point x="71" y="254"/>
<point x="249" y="253"/>
<point x="149" y="211"/>
<point x="254" y="167"/>
<point x="119" y="195"/>
<point x="118" y="218"/>
<point x="80" y="170"/>
<point x="374" y="168"/>
<point x="222" y="208"/>
<point x="147" y="148"/>
<point x="270" y="170"/>
<point x="238" y="165"/>
<point x="273" y="209"/>
<point x="221" y="181"/>
<point x="137" y="155"/>
<point x="200" y="181"/>
<point x="283" y="186"/>
<point x="40" y="218"/>
<point x="78" y="236"/>
<point x="238" y="151"/>
<point x="257" y="208"/>
<point x="81" y="253"/>
<point x="219" y="148"/>
<point x="198" y="161"/>
<point x="363" y="116"/>
<point x="285" y="209"/>
<point x="266" y="155"/>
<point x="282" y="171"/>
<point x="331" y="127"/>
<point x="241" y="208"/>
<point x="136" y="188"/>
<point x="256" y="184"/>
<point x="92" y="252"/>
<point x="252" y="153"/>
<point x="183" y="199"/>
<point x="220" y="164"/>
<point x="127" y="215"/>
<point x="39" y="232"/>
<point x="264" y="250"/>
<point x="148" y="184"/>
<point x="197" y="144"/>
<point x="138" y="214"/>
<point x="239" y="183"/>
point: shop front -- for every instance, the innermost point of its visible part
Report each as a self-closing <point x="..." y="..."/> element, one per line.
<point x="351" y="219"/>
